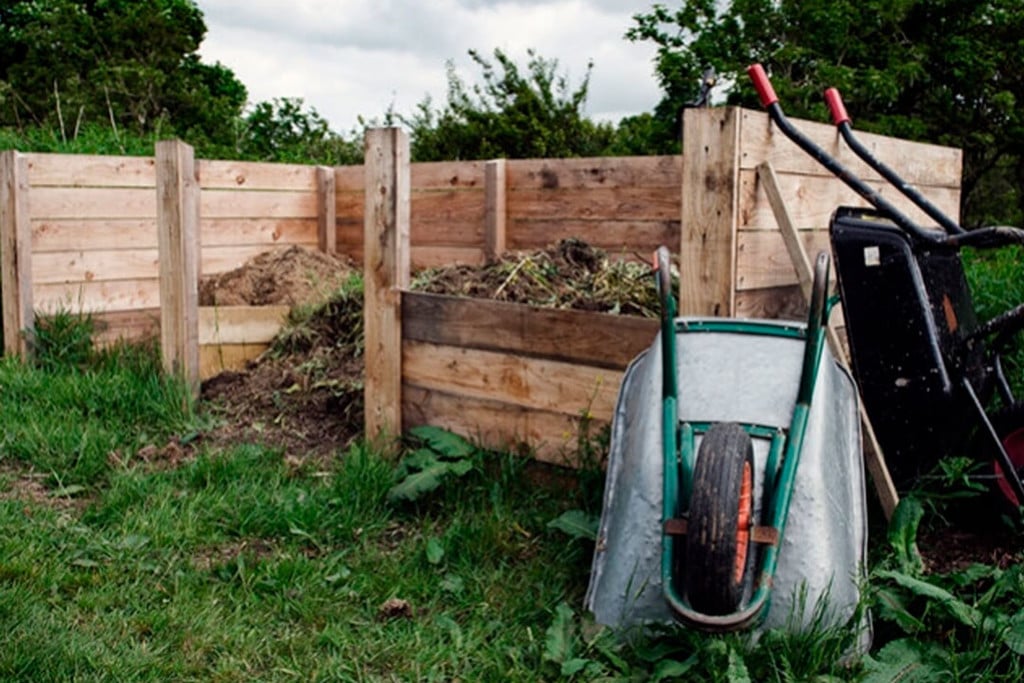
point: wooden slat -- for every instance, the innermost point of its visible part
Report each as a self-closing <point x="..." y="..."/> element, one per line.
<point x="533" y="383"/>
<point x="617" y="237"/>
<point x="15" y="253"/>
<point x="349" y="179"/>
<point x="81" y="170"/>
<point x="215" y="260"/>
<point x="216" y="358"/>
<point x="707" y="264"/>
<point x="92" y="202"/>
<point x="101" y="234"/>
<point x="240" y="324"/>
<point x="107" y="295"/>
<point x="436" y="257"/>
<point x="624" y="203"/>
<point x="131" y="326"/>
<point x="553" y="437"/>
<point x="919" y="163"/>
<point x="258" y="204"/>
<point x="762" y="260"/>
<point x="591" y="173"/>
<point x="582" y="337"/>
<point x="86" y="266"/>
<point x="267" y="232"/>
<point x="778" y="302"/>
<point x="386" y="270"/>
<point x="812" y="200"/>
<point x="454" y="175"/>
<point x="254" y="175"/>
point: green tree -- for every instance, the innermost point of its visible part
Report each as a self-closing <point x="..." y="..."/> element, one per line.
<point x="510" y="114"/>
<point x="129" y="64"/>
<point x="283" y="130"/>
<point x="944" y="71"/>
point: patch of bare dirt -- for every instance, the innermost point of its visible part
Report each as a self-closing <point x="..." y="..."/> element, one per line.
<point x="24" y="484"/>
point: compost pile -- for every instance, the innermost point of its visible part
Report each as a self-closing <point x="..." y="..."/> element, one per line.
<point x="304" y="394"/>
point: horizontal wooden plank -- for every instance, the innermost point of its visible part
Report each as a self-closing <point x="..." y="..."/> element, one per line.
<point x="454" y="175"/>
<point x="87" y="266"/>
<point x="257" y="204"/>
<point x="89" y="235"/>
<point x="240" y="324"/>
<point x="86" y="170"/>
<point x="527" y="382"/>
<point x="762" y="260"/>
<point x="918" y="163"/>
<point x="579" y="337"/>
<point x="256" y="175"/>
<point x="269" y="232"/>
<point x="811" y="200"/>
<point x="447" y="206"/>
<point x="551" y="437"/>
<point x="436" y="231"/>
<point x="131" y="326"/>
<point x="624" y="203"/>
<point x="97" y="296"/>
<point x="776" y="302"/>
<point x="92" y="202"/>
<point x="216" y="358"/>
<point x="349" y="178"/>
<point x="627" y="238"/>
<point x="592" y="173"/>
<point x="221" y="259"/>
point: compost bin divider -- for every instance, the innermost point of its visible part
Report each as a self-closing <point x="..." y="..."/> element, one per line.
<point x="15" y="252"/>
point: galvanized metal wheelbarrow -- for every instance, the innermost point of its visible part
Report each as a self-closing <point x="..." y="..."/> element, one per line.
<point x="734" y="496"/>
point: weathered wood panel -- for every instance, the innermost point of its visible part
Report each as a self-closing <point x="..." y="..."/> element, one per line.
<point x="919" y="163"/>
<point x="594" y="173"/>
<point x="619" y="238"/>
<point x="80" y="170"/>
<point x="132" y="326"/>
<point x="552" y="437"/>
<point x="92" y="202"/>
<point x="86" y="266"/>
<point x="99" y="235"/>
<point x="258" y="204"/>
<point x="762" y="260"/>
<point x="107" y="295"/>
<point x="253" y="175"/>
<point x="580" y="337"/>
<point x="217" y="358"/>
<point x="266" y="232"/>
<point x="624" y="203"/>
<point x="240" y="324"/>
<point x="534" y="383"/>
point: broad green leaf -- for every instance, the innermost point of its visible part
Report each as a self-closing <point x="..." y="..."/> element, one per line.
<point x="964" y="613"/>
<point x="577" y="524"/>
<point x="435" y="551"/>
<point x="573" y="666"/>
<point x="420" y="459"/>
<point x="906" y="661"/>
<point x="452" y="584"/>
<point x="443" y="441"/>
<point x="670" y="668"/>
<point x="558" y="639"/>
<point x="419" y="483"/>
<point x="1013" y="636"/>
<point x="892" y="607"/>
<point x="903" y="535"/>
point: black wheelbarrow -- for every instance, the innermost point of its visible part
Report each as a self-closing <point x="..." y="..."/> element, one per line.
<point x="927" y="369"/>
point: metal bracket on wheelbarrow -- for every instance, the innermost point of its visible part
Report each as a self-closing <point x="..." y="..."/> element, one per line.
<point x="708" y="496"/>
<point x="951" y="349"/>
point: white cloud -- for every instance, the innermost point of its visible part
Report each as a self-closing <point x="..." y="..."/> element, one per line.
<point x="358" y="57"/>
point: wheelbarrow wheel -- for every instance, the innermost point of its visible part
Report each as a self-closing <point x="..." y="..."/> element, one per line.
<point x="718" y="549"/>
<point x="1009" y="426"/>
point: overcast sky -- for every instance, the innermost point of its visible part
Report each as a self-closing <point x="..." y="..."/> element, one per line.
<point x="347" y="58"/>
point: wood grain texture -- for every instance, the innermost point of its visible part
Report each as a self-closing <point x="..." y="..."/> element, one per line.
<point x="495" y="209"/>
<point x="256" y="175"/>
<point x="710" y="203"/>
<point x="578" y="337"/>
<point x="87" y="170"/>
<point x="15" y="253"/>
<point x="240" y="324"/>
<point x="88" y="235"/>
<point x="594" y="173"/>
<point x="326" y="217"/>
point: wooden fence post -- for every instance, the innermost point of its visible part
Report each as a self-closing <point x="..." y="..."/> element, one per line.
<point x="386" y="273"/>
<point x="710" y="208"/>
<point x="177" y="192"/>
<point x="327" y="227"/>
<point x="15" y="253"/>
<point x="495" y="213"/>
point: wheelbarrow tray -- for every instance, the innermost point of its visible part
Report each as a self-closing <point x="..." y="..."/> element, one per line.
<point x="749" y="379"/>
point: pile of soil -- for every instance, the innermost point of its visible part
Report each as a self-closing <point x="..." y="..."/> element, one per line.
<point x="288" y="277"/>
<point x="304" y="395"/>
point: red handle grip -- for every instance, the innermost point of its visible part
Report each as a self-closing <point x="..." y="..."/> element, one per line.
<point x="835" y="105"/>
<point x="762" y="85"/>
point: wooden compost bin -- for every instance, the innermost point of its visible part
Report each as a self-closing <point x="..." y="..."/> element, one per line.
<point x="508" y="373"/>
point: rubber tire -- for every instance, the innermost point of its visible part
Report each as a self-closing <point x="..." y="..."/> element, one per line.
<point x="1009" y="426"/>
<point x="719" y="554"/>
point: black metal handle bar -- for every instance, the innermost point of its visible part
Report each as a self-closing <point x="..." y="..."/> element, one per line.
<point x="843" y="122"/>
<point x="771" y="103"/>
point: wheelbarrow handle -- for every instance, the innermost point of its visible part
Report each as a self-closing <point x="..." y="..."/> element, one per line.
<point x="843" y="122"/>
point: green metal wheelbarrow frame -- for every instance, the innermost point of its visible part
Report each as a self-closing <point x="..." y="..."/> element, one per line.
<point x="680" y="455"/>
